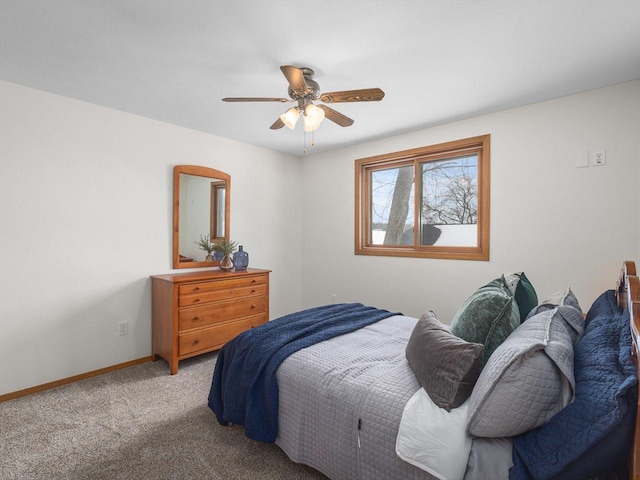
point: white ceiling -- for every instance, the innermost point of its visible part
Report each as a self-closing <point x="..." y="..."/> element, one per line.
<point x="437" y="61"/>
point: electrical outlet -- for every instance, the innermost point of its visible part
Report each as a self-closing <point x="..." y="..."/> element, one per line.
<point x="333" y="298"/>
<point x="599" y="157"/>
<point x="123" y="328"/>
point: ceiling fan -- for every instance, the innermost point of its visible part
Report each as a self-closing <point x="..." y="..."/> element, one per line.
<point x="304" y="90"/>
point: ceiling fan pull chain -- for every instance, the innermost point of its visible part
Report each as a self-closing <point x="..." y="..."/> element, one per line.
<point x="304" y="133"/>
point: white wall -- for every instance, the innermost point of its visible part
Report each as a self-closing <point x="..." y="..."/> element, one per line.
<point x="86" y="212"/>
<point x="562" y="225"/>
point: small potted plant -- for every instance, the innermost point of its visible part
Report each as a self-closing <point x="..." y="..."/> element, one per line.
<point x="207" y="246"/>
<point x="226" y="247"/>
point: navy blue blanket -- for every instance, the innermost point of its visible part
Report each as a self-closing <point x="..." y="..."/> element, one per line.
<point x="244" y="390"/>
<point x="594" y="433"/>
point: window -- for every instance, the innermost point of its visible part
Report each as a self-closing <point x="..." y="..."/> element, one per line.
<point x="427" y="202"/>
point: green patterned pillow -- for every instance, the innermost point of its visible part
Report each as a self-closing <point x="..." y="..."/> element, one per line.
<point x="488" y="317"/>
<point x="522" y="291"/>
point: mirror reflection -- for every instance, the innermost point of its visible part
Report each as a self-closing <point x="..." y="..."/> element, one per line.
<point x="201" y="211"/>
<point x="202" y="206"/>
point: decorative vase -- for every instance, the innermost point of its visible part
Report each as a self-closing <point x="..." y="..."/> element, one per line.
<point x="226" y="263"/>
<point x="218" y="255"/>
<point x="240" y="259"/>
<point x="209" y="257"/>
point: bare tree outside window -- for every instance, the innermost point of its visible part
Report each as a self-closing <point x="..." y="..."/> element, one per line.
<point x="449" y="206"/>
<point x="391" y="204"/>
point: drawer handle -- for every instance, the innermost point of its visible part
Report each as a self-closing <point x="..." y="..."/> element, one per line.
<point x="197" y="288"/>
<point x="195" y="342"/>
<point x="195" y="319"/>
<point x="253" y="290"/>
<point x="253" y="306"/>
<point x="196" y="300"/>
<point x="253" y="281"/>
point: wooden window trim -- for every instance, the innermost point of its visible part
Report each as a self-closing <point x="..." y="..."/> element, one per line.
<point x="216" y="186"/>
<point x="363" y="167"/>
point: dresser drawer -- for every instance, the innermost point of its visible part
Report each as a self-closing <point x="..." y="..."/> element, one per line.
<point x="193" y="317"/>
<point x="208" y="296"/>
<point x="216" y="336"/>
<point x="225" y="284"/>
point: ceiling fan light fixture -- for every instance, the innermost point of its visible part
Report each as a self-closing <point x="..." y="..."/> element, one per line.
<point x="313" y="117"/>
<point x="304" y="90"/>
<point x="290" y="117"/>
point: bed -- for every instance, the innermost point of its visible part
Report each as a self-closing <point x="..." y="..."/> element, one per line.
<point x="361" y="393"/>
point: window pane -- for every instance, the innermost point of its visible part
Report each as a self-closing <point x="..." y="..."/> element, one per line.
<point x="392" y="212"/>
<point x="449" y="203"/>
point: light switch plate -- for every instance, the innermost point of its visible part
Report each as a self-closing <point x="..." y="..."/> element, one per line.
<point x="582" y="160"/>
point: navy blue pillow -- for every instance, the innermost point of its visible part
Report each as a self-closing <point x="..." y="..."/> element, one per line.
<point x="592" y="434"/>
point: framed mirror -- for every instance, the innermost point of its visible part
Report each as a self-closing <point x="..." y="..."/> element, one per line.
<point x="201" y="198"/>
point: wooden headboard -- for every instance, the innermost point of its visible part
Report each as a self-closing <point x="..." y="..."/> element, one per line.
<point x="628" y="293"/>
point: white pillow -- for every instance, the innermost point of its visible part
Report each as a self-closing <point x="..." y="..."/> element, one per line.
<point x="433" y="439"/>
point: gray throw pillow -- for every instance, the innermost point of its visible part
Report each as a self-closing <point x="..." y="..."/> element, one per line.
<point x="527" y="380"/>
<point x="446" y="366"/>
<point x="567" y="304"/>
<point x="488" y="317"/>
<point x="564" y="297"/>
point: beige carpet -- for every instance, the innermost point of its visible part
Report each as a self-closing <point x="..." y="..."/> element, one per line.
<point x="137" y="423"/>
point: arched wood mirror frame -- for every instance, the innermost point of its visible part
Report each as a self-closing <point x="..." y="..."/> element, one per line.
<point x="205" y="207"/>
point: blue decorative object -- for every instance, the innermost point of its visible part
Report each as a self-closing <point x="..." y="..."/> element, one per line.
<point x="218" y="255"/>
<point x="240" y="259"/>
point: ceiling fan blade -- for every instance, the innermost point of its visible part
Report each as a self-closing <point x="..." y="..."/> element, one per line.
<point x="255" y="99"/>
<point x="363" y="95"/>
<point x="277" y="124"/>
<point x="336" y="117"/>
<point x="295" y="77"/>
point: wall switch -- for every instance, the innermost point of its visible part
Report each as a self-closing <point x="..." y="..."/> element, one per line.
<point x="599" y="158"/>
<point x="582" y="160"/>
<point x="123" y="328"/>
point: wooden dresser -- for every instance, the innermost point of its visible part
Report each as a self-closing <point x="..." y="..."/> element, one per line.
<point x="197" y="312"/>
